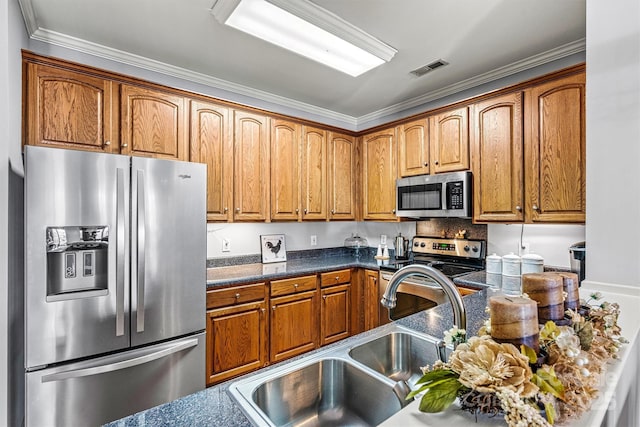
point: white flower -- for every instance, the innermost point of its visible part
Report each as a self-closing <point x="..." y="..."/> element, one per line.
<point x="455" y="336"/>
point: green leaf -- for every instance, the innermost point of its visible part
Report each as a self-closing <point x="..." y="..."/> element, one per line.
<point x="546" y="379"/>
<point x="436" y="374"/>
<point x="529" y="352"/>
<point x="439" y="397"/>
<point x="550" y="411"/>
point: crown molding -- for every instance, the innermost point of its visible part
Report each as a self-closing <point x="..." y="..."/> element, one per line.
<point x="496" y="74"/>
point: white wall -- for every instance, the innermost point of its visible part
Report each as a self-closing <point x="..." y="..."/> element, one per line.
<point x="613" y="142"/>
<point x="550" y="241"/>
<point x="245" y="237"/>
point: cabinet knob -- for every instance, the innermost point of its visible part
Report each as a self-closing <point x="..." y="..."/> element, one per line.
<point x="263" y="310"/>
<point x="225" y="210"/>
<point x="437" y="163"/>
<point x="393" y="211"/>
<point x="107" y="143"/>
<point x="237" y="297"/>
<point x="535" y="207"/>
<point x="518" y="208"/>
<point x="333" y="212"/>
<point x="295" y="286"/>
<point x="305" y="211"/>
<point x="337" y="278"/>
<point x="238" y="210"/>
<point x="273" y="308"/>
<point x="324" y="297"/>
<point x="297" y="210"/>
<point x="125" y="145"/>
<point x="426" y="164"/>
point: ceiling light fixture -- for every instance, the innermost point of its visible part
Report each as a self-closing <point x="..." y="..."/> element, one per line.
<point x="306" y="29"/>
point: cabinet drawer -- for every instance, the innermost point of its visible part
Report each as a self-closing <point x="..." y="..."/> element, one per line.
<point x="290" y="286"/>
<point x="237" y="295"/>
<point x="335" y="278"/>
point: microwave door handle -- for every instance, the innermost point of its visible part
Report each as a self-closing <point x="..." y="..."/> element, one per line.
<point x="140" y="248"/>
<point x="139" y="357"/>
<point x="120" y="250"/>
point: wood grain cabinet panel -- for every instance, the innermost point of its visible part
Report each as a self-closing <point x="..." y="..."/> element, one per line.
<point x="314" y="173"/>
<point x="342" y="176"/>
<point x="294" y="325"/>
<point x="237" y="340"/>
<point x="285" y="170"/>
<point x="69" y="109"/>
<point x="211" y="143"/>
<point x="413" y="148"/>
<point x="335" y="313"/>
<point x="251" y="167"/>
<point x="154" y="123"/>
<point x="379" y="173"/>
<point x="449" y="141"/>
<point x="555" y="151"/>
<point x="371" y="300"/>
<point x="497" y="153"/>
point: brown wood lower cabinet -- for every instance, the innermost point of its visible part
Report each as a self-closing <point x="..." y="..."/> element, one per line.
<point x="237" y="334"/>
<point x="294" y="325"/>
<point x="335" y="307"/>
<point x="371" y="300"/>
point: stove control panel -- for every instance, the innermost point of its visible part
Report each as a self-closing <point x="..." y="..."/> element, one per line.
<point x="463" y="248"/>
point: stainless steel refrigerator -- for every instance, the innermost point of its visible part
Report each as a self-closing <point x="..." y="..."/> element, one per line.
<point x="115" y="268"/>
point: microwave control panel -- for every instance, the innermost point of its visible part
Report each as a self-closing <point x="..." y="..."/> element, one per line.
<point x="455" y="195"/>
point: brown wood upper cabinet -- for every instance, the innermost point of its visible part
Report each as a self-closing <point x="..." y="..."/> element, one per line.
<point x="379" y="173"/>
<point x="536" y="172"/>
<point x="314" y="173"/>
<point x="449" y="141"/>
<point x="70" y="109"/>
<point x="497" y="150"/>
<point x="341" y="176"/>
<point x="555" y="151"/>
<point x="251" y="167"/>
<point x="413" y="148"/>
<point x="211" y="143"/>
<point x="285" y="170"/>
<point x="154" y="123"/>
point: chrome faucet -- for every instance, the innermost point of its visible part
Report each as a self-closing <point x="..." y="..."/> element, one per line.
<point x="450" y="290"/>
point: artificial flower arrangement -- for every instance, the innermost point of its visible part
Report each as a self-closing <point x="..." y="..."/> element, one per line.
<point x="527" y="389"/>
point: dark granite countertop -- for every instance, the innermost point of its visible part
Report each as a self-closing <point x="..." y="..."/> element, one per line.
<point x="254" y="272"/>
<point x="215" y="407"/>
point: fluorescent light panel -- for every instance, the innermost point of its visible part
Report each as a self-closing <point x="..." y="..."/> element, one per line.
<point x="265" y="20"/>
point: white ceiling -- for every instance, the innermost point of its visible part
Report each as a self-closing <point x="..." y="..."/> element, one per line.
<point x="481" y="39"/>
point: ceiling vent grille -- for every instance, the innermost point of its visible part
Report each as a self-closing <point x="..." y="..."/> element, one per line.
<point x="418" y="72"/>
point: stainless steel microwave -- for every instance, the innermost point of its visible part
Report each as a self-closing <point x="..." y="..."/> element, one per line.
<point x="435" y="196"/>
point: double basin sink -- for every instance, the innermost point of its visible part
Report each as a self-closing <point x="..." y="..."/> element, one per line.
<point x="359" y="383"/>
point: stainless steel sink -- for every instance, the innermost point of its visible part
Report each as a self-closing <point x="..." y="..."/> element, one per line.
<point x="329" y="392"/>
<point x="359" y="383"/>
<point x="397" y="355"/>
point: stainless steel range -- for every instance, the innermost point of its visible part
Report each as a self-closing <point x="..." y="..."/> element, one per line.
<point x="453" y="257"/>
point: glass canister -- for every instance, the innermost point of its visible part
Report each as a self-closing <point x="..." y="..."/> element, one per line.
<point x="511" y="265"/>
<point x="532" y="263"/>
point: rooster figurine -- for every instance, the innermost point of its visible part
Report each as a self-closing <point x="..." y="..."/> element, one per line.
<point x="274" y="248"/>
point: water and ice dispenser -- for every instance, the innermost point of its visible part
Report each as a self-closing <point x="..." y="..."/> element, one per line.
<point x="77" y="262"/>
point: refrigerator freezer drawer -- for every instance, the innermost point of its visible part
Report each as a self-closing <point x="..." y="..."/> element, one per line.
<point x="96" y="391"/>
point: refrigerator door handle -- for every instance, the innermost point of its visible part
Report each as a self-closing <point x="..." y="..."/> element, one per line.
<point x="136" y="360"/>
<point x="120" y="250"/>
<point x="140" y="247"/>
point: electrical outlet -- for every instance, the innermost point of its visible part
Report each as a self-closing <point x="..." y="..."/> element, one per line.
<point x="314" y="240"/>
<point x="383" y="239"/>
<point x="226" y="245"/>
<point x="524" y="248"/>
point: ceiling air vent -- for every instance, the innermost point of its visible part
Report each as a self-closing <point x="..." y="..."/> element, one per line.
<point x="418" y="72"/>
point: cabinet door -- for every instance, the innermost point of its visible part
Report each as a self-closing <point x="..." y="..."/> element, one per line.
<point x="70" y="110"/>
<point x="294" y="325"/>
<point x="335" y="313"/>
<point x="413" y="148"/>
<point x="371" y="300"/>
<point x="236" y="341"/>
<point x="314" y="174"/>
<point x="285" y="170"/>
<point x="251" y="167"/>
<point x="449" y="141"/>
<point x="497" y="154"/>
<point x="379" y="175"/>
<point x="342" y="183"/>
<point x="555" y="152"/>
<point x="153" y="124"/>
<point x="211" y="143"/>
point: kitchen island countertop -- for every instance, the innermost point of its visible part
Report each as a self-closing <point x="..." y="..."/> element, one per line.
<point x="214" y="406"/>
